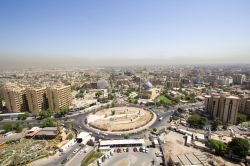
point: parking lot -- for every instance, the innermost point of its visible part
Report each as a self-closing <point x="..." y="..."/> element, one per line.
<point x="133" y="157"/>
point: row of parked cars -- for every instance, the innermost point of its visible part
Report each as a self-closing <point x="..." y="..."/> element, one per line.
<point x="141" y="149"/>
<point x="105" y="157"/>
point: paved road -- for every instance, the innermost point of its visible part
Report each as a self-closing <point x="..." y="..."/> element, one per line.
<point x="77" y="159"/>
<point x="56" y="159"/>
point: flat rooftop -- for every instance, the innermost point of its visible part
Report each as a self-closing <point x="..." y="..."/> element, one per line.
<point x="121" y="142"/>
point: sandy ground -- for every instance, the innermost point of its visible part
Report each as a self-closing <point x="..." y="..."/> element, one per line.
<point x="130" y="120"/>
<point x="174" y="144"/>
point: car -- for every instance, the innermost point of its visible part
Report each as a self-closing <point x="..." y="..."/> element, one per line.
<point x="76" y="150"/>
<point x="135" y="149"/>
<point x="64" y="161"/>
<point x="160" y="119"/>
<point x="81" y="151"/>
<point x="158" y="154"/>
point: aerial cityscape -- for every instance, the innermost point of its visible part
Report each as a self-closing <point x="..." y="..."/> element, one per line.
<point x="125" y="83"/>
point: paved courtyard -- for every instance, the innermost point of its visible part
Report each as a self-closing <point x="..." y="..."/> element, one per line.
<point x="132" y="158"/>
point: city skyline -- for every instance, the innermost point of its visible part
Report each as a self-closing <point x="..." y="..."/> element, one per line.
<point x="84" y="33"/>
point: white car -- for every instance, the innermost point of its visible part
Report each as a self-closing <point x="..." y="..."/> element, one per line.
<point x="81" y="151"/>
<point x="75" y="151"/>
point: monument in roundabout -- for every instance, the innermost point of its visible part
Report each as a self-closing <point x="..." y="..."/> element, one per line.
<point x="121" y="120"/>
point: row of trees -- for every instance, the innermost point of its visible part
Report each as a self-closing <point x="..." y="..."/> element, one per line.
<point x="239" y="146"/>
<point x="48" y="113"/>
<point x="18" y="127"/>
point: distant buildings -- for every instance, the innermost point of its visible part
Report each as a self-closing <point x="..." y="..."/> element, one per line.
<point x="223" y="106"/>
<point x="246" y="84"/>
<point x="239" y="78"/>
<point x="102" y="84"/>
<point x="59" y="97"/>
<point x="172" y="84"/>
<point x="37" y="99"/>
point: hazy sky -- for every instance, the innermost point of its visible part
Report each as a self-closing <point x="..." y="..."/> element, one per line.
<point x="158" y="31"/>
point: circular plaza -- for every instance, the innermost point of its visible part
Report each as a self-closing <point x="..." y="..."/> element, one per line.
<point x="118" y="120"/>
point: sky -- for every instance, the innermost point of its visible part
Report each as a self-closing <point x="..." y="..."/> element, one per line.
<point x="87" y="32"/>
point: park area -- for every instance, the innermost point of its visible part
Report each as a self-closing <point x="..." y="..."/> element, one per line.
<point x="22" y="151"/>
<point x="119" y="119"/>
<point x="162" y="100"/>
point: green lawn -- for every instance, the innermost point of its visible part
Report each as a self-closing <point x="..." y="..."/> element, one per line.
<point x="245" y="124"/>
<point x="162" y="100"/>
<point x="90" y="158"/>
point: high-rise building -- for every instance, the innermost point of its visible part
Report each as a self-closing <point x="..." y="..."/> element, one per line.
<point x="37" y="100"/>
<point x="172" y="84"/>
<point x="1" y="104"/>
<point x="59" y="97"/>
<point x="15" y="99"/>
<point x="244" y="104"/>
<point x="239" y="78"/>
<point x="223" y="106"/>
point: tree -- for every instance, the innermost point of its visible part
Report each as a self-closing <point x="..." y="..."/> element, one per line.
<point x="241" y="118"/>
<point x="219" y="147"/>
<point x="239" y="146"/>
<point x="126" y="136"/>
<point x="215" y="124"/>
<point x="23" y="116"/>
<point x="98" y="94"/>
<point x="197" y="121"/>
<point x="18" y="127"/>
<point x="62" y="112"/>
<point x="8" y="126"/>
<point x="45" y="114"/>
<point x="113" y="112"/>
<point x="48" y="122"/>
<point x="70" y="136"/>
<point x="225" y="126"/>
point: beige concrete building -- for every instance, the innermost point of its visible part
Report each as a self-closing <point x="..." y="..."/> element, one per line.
<point x="37" y="99"/>
<point x="244" y="104"/>
<point x="59" y="97"/>
<point x="172" y="84"/>
<point x="223" y="106"/>
<point x="15" y="99"/>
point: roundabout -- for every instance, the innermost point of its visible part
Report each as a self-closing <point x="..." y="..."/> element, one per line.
<point x="120" y="120"/>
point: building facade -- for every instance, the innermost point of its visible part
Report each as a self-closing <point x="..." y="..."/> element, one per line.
<point x="223" y="106"/>
<point x="37" y="99"/>
<point x="59" y="97"/>
<point x="172" y="84"/>
<point x="15" y="99"/>
<point x="239" y="78"/>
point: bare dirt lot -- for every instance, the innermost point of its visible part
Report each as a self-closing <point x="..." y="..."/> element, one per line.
<point x="120" y="119"/>
<point x="174" y="145"/>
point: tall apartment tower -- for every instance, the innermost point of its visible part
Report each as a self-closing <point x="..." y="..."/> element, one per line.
<point x="59" y="97"/>
<point x="223" y="106"/>
<point x="37" y="100"/>
<point x="239" y="78"/>
<point x="15" y="99"/>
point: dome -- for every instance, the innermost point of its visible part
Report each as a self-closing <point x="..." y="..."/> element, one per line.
<point x="148" y="85"/>
<point x="102" y="84"/>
